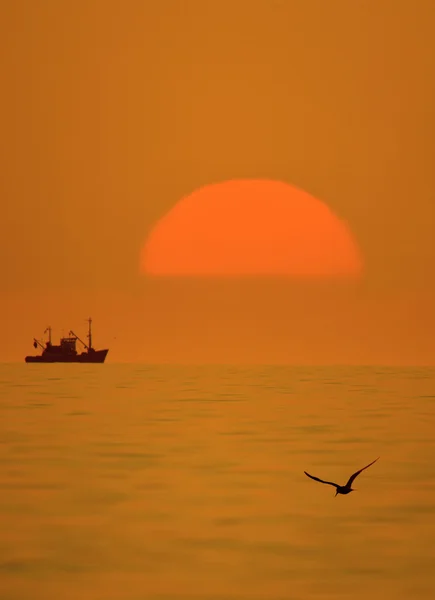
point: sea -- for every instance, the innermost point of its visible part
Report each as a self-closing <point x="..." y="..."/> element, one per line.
<point x="142" y="482"/>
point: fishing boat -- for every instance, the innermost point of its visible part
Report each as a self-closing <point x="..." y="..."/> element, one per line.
<point x="66" y="351"/>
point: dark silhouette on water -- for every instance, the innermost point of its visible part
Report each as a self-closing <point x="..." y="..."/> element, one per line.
<point x="66" y="351"/>
<point x="343" y="489"/>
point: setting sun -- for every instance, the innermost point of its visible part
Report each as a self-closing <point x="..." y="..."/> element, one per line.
<point x="248" y="228"/>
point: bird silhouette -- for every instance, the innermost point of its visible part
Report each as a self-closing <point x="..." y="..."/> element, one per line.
<point x="343" y="489"/>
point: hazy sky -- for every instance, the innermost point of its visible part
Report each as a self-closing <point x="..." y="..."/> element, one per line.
<point x="112" y="111"/>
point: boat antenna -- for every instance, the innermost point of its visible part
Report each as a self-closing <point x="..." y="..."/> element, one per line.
<point x="90" y="333"/>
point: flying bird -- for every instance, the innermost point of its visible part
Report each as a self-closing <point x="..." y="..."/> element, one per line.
<point x="343" y="489"/>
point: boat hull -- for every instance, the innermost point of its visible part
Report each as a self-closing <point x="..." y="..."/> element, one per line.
<point x="96" y="356"/>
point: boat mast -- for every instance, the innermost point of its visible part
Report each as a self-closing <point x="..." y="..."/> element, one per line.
<point x="49" y="334"/>
<point x="90" y="333"/>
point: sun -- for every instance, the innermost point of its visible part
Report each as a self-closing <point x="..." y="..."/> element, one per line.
<point x="249" y="227"/>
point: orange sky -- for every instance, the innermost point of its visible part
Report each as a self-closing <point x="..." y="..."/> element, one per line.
<point x="111" y="112"/>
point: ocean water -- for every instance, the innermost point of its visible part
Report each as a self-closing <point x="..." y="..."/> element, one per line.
<point x="135" y="482"/>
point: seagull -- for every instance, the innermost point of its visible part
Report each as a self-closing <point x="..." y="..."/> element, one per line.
<point x="343" y="489"/>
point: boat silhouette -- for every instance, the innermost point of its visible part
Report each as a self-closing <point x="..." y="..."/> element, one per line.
<point x="66" y="351"/>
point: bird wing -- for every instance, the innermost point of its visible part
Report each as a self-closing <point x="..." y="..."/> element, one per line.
<point x="321" y="480"/>
<point x="355" y="475"/>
